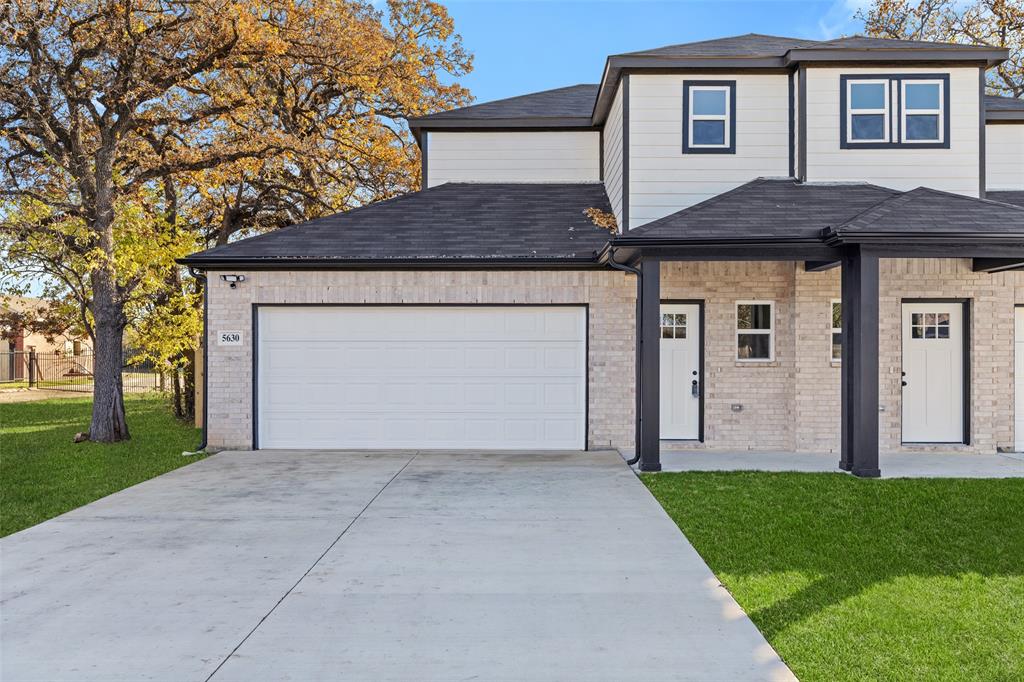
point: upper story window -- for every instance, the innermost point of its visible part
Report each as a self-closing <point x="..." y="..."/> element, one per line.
<point x="894" y="111"/>
<point x="709" y="117"/>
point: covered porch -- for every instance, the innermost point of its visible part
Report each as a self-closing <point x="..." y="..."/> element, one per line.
<point x="851" y="227"/>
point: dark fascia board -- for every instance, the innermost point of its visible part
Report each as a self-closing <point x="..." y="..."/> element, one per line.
<point x="389" y="263"/>
<point x="532" y="122"/>
<point x="968" y="241"/>
<point x="1004" y="116"/>
<point x="989" y="55"/>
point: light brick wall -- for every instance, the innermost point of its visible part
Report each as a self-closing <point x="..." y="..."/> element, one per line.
<point x="765" y="390"/>
<point x="609" y="293"/>
<point x="795" y="403"/>
<point x="790" y="403"/>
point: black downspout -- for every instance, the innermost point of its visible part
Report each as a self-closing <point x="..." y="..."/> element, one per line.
<point x="201" y="277"/>
<point x="637" y="352"/>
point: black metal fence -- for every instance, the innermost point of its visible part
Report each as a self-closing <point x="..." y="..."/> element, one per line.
<point x="74" y="372"/>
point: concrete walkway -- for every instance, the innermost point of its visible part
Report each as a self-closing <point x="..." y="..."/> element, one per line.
<point x="894" y="465"/>
<point x="382" y="566"/>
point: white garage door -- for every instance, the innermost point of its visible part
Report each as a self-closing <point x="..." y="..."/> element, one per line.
<point x="510" y="377"/>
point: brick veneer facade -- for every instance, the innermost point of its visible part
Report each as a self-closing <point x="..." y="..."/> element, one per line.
<point x="610" y="295"/>
<point x="791" y="403"/>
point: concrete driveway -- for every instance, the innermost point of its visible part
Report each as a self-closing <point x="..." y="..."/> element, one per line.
<point x="373" y="566"/>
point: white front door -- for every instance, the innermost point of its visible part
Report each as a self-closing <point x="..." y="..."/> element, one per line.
<point x="1018" y="425"/>
<point x="680" y="371"/>
<point x="933" y="373"/>
<point x="503" y="377"/>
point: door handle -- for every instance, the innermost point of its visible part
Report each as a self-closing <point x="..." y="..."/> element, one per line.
<point x="903" y="383"/>
<point x="695" y="389"/>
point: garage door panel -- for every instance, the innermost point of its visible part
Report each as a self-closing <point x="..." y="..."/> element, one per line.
<point x="444" y="377"/>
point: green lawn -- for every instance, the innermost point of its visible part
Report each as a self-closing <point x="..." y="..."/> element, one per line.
<point x="43" y="473"/>
<point x="866" y="580"/>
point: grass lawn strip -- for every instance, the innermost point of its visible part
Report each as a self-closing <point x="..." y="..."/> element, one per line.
<point x="44" y="474"/>
<point x="866" y="580"/>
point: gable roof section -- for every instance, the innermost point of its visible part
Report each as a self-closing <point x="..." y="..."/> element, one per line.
<point x="1007" y="197"/>
<point x="559" y="108"/>
<point x="455" y="223"/>
<point x="757" y="51"/>
<point x="763" y="210"/>
<point x="927" y="215"/>
<point x="1003" y="108"/>
<point x="750" y="45"/>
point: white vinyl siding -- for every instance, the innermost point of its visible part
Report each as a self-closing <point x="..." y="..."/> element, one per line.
<point x="613" y="156"/>
<point x="1004" y="156"/>
<point x="664" y="180"/>
<point x="529" y="156"/>
<point x="953" y="170"/>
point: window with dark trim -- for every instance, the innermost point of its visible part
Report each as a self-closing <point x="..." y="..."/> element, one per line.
<point x="888" y="111"/>
<point x="709" y="117"/>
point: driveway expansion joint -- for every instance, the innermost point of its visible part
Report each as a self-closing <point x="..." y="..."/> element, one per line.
<point x="311" y="567"/>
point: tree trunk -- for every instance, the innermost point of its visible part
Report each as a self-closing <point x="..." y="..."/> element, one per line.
<point x="108" y="420"/>
<point x="189" y="390"/>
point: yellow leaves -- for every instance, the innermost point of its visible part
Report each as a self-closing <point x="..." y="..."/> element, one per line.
<point x="602" y="219"/>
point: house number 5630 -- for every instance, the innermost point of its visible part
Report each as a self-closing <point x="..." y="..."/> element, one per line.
<point x="229" y="338"/>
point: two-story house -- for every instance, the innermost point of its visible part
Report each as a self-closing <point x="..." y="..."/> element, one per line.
<point x="813" y="248"/>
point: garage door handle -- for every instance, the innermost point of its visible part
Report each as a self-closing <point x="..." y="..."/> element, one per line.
<point x="903" y="383"/>
<point x="695" y="389"/>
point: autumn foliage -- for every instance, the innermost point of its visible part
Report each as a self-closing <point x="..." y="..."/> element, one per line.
<point x="135" y="131"/>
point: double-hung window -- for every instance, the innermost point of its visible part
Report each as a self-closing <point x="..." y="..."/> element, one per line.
<point x="755" y="331"/>
<point x="867" y="111"/>
<point x="837" y="330"/>
<point x="709" y="117"/>
<point x="894" y="111"/>
<point x="923" y="111"/>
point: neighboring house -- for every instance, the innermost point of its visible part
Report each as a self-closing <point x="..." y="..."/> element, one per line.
<point x="18" y="340"/>
<point x="816" y="251"/>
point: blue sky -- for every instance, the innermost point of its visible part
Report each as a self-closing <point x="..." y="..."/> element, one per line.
<point x="524" y="46"/>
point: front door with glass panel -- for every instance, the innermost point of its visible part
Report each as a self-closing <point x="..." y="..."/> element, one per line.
<point x="680" y="371"/>
<point x="933" y="372"/>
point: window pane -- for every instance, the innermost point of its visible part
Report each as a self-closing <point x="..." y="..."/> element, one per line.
<point x="709" y="102"/>
<point x="917" y="332"/>
<point x="943" y="332"/>
<point x="922" y="96"/>
<point x="753" y="346"/>
<point x="666" y="318"/>
<point x="679" y="319"/>
<point x="923" y="127"/>
<point x="867" y="96"/>
<point x="709" y="132"/>
<point x="929" y="318"/>
<point x="837" y="346"/>
<point x="666" y="332"/>
<point x="753" y="316"/>
<point x="916" y="318"/>
<point x="943" y="318"/>
<point x="868" y="127"/>
<point x="837" y="315"/>
<point x="680" y="332"/>
<point x="929" y="332"/>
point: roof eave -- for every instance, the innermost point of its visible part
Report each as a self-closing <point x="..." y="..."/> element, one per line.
<point x="840" y="237"/>
<point x="525" y="262"/>
<point x="1004" y="115"/>
<point x="418" y="125"/>
<point x="989" y="55"/>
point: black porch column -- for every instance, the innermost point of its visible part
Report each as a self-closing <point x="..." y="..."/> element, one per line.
<point x="860" y="362"/>
<point x="650" y="366"/>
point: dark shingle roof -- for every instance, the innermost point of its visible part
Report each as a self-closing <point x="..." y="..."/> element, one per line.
<point x="1007" y="197"/>
<point x="769" y="209"/>
<point x="859" y="42"/>
<point x="575" y="101"/>
<point x="997" y="103"/>
<point x="451" y="222"/>
<point x="749" y="45"/>
<point x="924" y="212"/>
